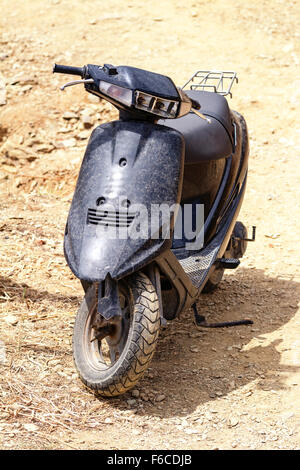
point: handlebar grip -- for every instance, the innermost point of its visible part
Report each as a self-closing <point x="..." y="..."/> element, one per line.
<point x="69" y="70"/>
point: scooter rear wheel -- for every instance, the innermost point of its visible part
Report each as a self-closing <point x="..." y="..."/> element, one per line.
<point x="114" y="365"/>
<point x="213" y="281"/>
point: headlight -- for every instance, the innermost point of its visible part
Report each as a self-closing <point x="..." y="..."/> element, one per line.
<point x="154" y="104"/>
<point x="117" y="93"/>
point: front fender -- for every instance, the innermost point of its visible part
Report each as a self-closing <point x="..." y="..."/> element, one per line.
<point x="126" y="163"/>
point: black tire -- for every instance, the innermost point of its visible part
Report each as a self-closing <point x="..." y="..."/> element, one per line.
<point x="213" y="281"/>
<point x="138" y="346"/>
<point x="237" y="251"/>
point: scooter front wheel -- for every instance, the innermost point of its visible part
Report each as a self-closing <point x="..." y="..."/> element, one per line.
<point x="114" y="364"/>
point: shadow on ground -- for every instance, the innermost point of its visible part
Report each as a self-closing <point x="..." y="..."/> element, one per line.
<point x="192" y="365"/>
<point x="13" y="291"/>
<point x="221" y="363"/>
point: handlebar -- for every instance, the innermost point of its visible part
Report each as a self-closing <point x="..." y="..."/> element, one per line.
<point x="69" y="70"/>
<point x="87" y="75"/>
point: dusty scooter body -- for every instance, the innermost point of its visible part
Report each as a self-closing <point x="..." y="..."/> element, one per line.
<point x="153" y="218"/>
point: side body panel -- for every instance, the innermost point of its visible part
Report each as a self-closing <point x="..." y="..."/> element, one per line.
<point x="185" y="273"/>
<point x="219" y="180"/>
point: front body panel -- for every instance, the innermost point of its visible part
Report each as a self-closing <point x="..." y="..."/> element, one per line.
<point x="125" y="164"/>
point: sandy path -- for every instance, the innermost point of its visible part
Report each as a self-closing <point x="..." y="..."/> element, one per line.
<point x="240" y="389"/>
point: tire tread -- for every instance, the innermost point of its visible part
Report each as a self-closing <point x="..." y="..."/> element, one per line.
<point x="142" y="344"/>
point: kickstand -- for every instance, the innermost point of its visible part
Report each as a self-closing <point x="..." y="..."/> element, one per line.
<point x="201" y="321"/>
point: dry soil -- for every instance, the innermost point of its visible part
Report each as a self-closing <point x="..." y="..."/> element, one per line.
<point x="216" y="389"/>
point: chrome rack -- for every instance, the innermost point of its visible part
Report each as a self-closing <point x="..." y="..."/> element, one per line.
<point x="217" y="82"/>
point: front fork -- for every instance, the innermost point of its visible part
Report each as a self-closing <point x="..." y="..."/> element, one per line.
<point x="108" y="301"/>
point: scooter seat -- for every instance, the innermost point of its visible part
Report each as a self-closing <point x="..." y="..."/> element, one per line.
<point x="204" y="141"/>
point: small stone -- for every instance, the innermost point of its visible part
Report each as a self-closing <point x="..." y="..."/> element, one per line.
<point x="233" y="422"/>
<point x="184" y="423"/>
<point x="69" y="115"/>
<point x="83" y="135"/>
<point x="131" y="402"/>
<point x="135" y="393"/>
<point x="30" y="427"/>
<point x="26" y="88"/>
<point x="287" y="416"/>
<point x="190" y="431"/>
<point x="40" y="243"/>
<point x="64" y="130"/>
<point x="160" y="398"/>
<point x="11" y="320"/>
<point x="45" y="148"/>
<point x="4" y="56"/>
<point x="144" y="397"/>
<point x="87" y="120"/>
<point x="108" y="421"/>
<point x="24" y="80"/>
<point x="68" y="143"/>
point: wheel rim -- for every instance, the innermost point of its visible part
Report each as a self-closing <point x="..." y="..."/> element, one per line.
<point x="103" y="354"/>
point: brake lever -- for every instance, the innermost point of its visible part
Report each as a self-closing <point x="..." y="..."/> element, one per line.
<point x="76" y="82"/>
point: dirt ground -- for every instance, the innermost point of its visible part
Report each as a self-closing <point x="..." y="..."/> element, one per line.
<point x="218" y="389"/>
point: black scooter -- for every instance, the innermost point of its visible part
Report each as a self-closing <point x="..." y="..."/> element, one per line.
<point x="152" y="223"/>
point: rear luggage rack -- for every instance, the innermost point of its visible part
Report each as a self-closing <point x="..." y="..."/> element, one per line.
<point x="217" y="82"/>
